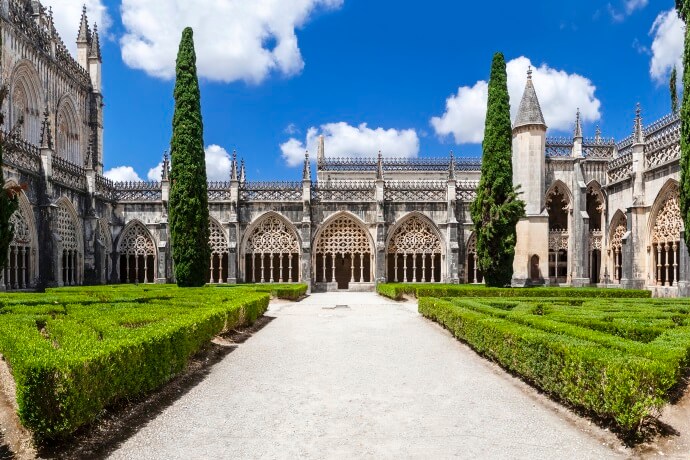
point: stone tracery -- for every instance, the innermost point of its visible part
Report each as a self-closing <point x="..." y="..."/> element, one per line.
<point x="474" y="273"/>
<point x="618" y="229"/>
<point x="71" y="249"/>
<point x="343" y="253"/>
<point x="415" y="250"/>
<point x="19" y="272"/>
<point x="272" y="252"/>
<point x="665" y="238"/>
<point x="137" y="254"/>
<point x="219" y="253"/>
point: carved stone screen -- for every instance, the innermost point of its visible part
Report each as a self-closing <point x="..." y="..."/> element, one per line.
<point x="414" y="253"/>
<point x="343" y="254"/>
<point x="272" y="253"/>
<point x="137" y="255"/>
<point x="70" y="246"/>
<point x="668" y="226"/>
<point x="219" y="254"/>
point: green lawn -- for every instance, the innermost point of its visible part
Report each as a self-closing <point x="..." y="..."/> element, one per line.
<point x="75" y="351"/>
<point x="616" y="358"/>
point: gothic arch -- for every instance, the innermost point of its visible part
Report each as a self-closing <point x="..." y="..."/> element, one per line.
<point x="220" y="251"/>
<point x="26" y="99"/>
<point x="271" y="250"/>
<point x="70" y="246"/>
<point x="104" y="249"/>
<point x="67" y="132"/>
<point x="617" y="230"/>
<point x="414" y="250"/>
<point x="137" y="250"/>
<point x="474" y="274"/>
<point x="665" y="227"/>
<point x="559" y="204"/>
<point x="21" y="271"/>
<point x="344" y="251"/>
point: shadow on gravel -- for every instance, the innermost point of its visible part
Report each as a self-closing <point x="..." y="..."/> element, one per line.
<point x="120" y="422"/>
<point x="5" y="452"/>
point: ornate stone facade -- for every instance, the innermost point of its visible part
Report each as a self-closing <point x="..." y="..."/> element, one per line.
<point x="599" y="212"/>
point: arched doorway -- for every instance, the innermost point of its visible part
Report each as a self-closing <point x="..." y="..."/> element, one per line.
<point x="343" y="253"/>
<point x="415" y="252"/>
<point x="474" y="273"/>
<point x="71" y="244"/>
<point x="558" y="204"/>
<point x="534" y="272"/>
<point x="272" y="252"/>
<point x="21" y="269"/>
<point x="619" y="227"/>
<point x="137" y="254"/>
<point x="665" y="238"/>
<point x="218" y="267"/>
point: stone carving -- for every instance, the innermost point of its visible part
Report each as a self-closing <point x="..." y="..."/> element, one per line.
<point x="343" y="236"/>
<point x="415" y="236"/>
<point x="217" y="240"/>
<point x="22" y="234"/>
<point x="137" y="241"/>
<point x="272" y="236"/>
<point x="668" y="223"/>
<point x="67" y="229"/>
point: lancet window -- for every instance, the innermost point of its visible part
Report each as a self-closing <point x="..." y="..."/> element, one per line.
<point x="595" y="210"/>
<point x="272" y="253"/>
<point x="665" y="247"/>
<point x="67" y="139"/>
<point x="105" y="249"/>
<point x="474" y="273"/>
<point x="24" y="103"/>
<point x="70" y="247"/>
<point x="414" y="253"/>
<point x="558" y="205"/>
<point x="618" y="230"/>
<point x="344" y="254"/>
<point x="137" y="255"/>
<point x="19" y="270"/>
<point x="218" y="271"/>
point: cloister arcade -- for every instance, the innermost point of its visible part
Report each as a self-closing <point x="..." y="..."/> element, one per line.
<point x="344" y="253"/>
<point x="70" y="244"/>
<point x="596" y="210"/>
<point x="619" y="227"/>
<point x="559" y="204"/>
<point x="415" y="252"/>
<point x="25" y="102"/>
<point x="137" y="252"/>
<point x="218" y="269"/>
<point x="22" y="254"/>
<point x="666" y="227"/>
<point x="272" y="251"/>
<point x="474" y="273"/>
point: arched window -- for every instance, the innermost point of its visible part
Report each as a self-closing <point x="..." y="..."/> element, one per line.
<point x="21" y="270"/>
<point x="105" y="246"/>
<point x="26" y="100"/>
<point x="343" y="253"/>
<point x="137" y="255"/>
<point x="219" y="253"/>
<point x="67" y="134"/>
<point x="414" y="252"/>
<point x="474" y="273"/>
<point x="558" y="205"/>
<point x="272" y="252"/>
<point x="595" y="210"/>
<point x="619" y="226"/>
<point x="70" y="248"/>
<point x="665" y="247"/>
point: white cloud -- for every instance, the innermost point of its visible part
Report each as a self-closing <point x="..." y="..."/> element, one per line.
<point x="632" y="5"/>
<point x="122" y="174"/>
<point x="629" y="7"/>
<point x="560" y="95"/>
<point x="67" y="16"/>
<point x="344" y="140"/>
<point x="668" y="31"/>
<point x="234" y="40"/>
<point x="218" y="165"/>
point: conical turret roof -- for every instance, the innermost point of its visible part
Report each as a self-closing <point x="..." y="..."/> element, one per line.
<point x="529" y="112"/>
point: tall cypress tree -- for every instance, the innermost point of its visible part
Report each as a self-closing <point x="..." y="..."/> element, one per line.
<point x="683" y="7"/>
<point x="497" y="209"/>
<point x="188" y="207"/>
<point x="674" y="90"/>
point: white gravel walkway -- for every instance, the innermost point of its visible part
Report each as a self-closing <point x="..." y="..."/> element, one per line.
<point x="374" y="380"/>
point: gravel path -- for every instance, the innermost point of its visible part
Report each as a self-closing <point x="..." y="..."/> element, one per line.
<point x="374" y="380"/>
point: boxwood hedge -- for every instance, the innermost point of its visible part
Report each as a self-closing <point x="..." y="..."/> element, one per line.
<point x="73" y="352"/>
<point x="615" y="358"/>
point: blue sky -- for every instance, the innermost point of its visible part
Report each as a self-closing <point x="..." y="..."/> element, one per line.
<point x="294" y="69"/>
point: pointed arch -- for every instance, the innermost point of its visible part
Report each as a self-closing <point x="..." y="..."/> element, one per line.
<point x="559" y="204"/>
<point x="70" y="245"/>
<point x="137" y="250"/>
<point x="665" y="227"/>
<point x="474" y="273"/>
<point x="21" y="271"/>
<point x="414" y="250"/>
<point x="271" y="250"/>
<point x="344" y="252"/>
<point x="26" y="100"/>
<point x="220" y="252"/>
<point x="617" y="231"/>
<point x="67" y="132"/>
<point x="104" y="249"/>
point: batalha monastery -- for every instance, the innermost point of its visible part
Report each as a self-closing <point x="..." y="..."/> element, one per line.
<point x="599" y="212"/>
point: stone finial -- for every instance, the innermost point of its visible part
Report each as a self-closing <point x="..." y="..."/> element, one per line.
<point x="46" y="133"/>
<point x="638" y="135"/>
<point x="451" y="166"/>
<point x="597" y="134"/>
<point x="233" y="168"/>
<point x="306" y="172"/>
<point x="578" y="126"/>
<point x="379" y="168"/>
<point x="84" y="35"/>
<point x="321" y="152"/>
<point x="165" y="170"/>
<point x="243" y="172"/>
<point x="95" y="48"/>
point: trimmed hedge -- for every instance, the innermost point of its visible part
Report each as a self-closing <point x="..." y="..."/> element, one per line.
<point x="615" y="358"/>
<point x="74" y="352"/>
<point x="397" y="291"/>
<point x="279" y="291"/>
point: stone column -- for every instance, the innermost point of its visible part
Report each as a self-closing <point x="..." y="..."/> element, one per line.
<point x="683" y="268"/>
<point x="634" y="251"/>
<point x="306" y="230"/>
<point x="234" y="230"/>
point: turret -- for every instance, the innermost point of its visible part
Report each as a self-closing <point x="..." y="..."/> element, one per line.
<point x="83" y="40"/>
<point x="95" y="60"/>
<point x="529" y="148"/>
<point x="577" y="137"/>
<point x="638" y="157"/>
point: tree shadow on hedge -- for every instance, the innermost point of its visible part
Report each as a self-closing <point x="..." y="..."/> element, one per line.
<point x="121" y="421"/>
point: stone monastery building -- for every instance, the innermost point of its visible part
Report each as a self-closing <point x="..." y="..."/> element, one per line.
<point x="599" y="212"/>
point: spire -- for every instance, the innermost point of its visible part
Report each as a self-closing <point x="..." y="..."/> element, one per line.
<point x="84" y="32"/>
<point x="451" y="166"/>
<point x="165" y="170"/>
<point x="306" y="173"/>
<point x="321" y="153"/>
<point x="46" y="133"/>
<point x="95" y="49"/>
<point x="578" y="126"/>
<point x="597" y="134"/>
<point x="243" y="173"/>
<point x="638" y="136"/>
<point x="233" y="169"/>
<point x="379" y="169"/>
<point x="529" y="112"/>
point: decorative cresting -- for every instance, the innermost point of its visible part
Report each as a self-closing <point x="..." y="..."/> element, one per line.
<point x="414" y="253"/>
<point x="137" y="254"/>
<point x="618" y="229"/>
<point x="272" y="252"/>
<point x="417" y="190"/>
<point x="343" y="253"/>
<point x="70" y="247"/>
<point x="219" y="253"/>
<point x="474" y="274"/>
<point x="19" y="272"/>
<point x="665" y="247"/>
<point x="620" y="168"/>
<point x="663" y="140"/>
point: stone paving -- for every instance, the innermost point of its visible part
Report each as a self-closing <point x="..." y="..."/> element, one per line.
<point x="369" y="380"/>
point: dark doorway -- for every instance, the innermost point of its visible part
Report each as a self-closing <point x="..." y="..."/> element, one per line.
<point x="534" y="273"/>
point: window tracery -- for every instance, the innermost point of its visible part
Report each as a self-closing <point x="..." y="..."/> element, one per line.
<point x="272" y="252"/>
<point x="668" y="226"/>
<point x="343" y="253"/>
<point x="67" y="230"/>
<point x="137" y="255"/>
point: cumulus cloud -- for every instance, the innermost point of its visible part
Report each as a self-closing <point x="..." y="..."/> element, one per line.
<point x="122" y="174"/>
<point x="560" y="95"/>
<point x="234" y="40"/>
<point x="218" y="165"/>
<point x="628" y="8"/>
<point x="668" y="31"/>
<point x="67" y="16"/>
<point x="344" y="140"/>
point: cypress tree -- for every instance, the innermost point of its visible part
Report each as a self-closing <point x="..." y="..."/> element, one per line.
<point x="497" y="209"/>
<point x="188" y="207"/>
<point x="683" y="6"/>
<point x="674" y="90"/>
